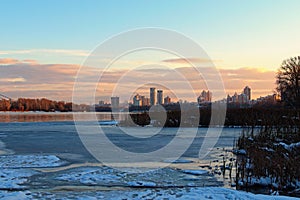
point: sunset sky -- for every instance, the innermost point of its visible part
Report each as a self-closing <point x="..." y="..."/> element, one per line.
<point x="43" y="43"/>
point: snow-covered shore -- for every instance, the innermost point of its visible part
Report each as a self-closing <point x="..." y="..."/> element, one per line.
<point x="182" y="193"/>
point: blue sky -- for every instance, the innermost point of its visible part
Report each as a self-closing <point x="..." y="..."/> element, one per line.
<point x="248" y="40"/>
<point x="256" y="33"/>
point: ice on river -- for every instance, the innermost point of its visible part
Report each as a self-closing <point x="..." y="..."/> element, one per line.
<point x="27" y="161"/>
<point x="216" y="193"/>
<point x="14" y="178"/>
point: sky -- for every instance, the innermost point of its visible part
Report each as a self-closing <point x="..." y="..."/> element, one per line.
<point x="43" y="43"/>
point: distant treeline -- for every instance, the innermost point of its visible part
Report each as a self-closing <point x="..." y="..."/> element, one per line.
<point x="261" y="116"/>
<point x="46" y="105"/>
<point x="245" y="117"/>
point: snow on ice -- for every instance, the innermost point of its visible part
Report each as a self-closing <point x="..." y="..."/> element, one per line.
<point x="26" y="161"/>
<point x="216" y="193"/>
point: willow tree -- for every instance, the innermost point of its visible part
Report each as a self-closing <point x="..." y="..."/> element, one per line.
<point x="288" y="81"/>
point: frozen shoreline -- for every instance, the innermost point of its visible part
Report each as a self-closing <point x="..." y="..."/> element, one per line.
<point x="87" y="182"/>
<point x="183" y="194"/>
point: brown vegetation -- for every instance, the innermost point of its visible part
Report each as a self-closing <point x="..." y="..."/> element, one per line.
<point x="273" y="153"/>
<point x="45" y="105"/>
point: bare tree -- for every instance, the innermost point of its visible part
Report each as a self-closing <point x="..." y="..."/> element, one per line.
<point x="288" y="81"/>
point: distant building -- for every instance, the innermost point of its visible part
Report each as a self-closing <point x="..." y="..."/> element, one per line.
<point x="235" y="98"/>
<point x="205" y="96"/>
<point x="137" y="101"/>
<point x="152" y="96"/>
<point x="241" y="100"/>
<point x="101" y="103"/>
<point x="115" y="102"/>
<point x="229" y="99"/>
<point x="167" y="100"/>
<point x="269" y="99"/>
<point x="160" y="97"/>
<point x="247" y="92"/>
<point x="145" y="101"/>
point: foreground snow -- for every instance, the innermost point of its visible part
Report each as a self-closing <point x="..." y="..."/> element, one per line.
<point x="16" y="172"/>
<point x="162" y="178"/>
<point x="27" y="161"/>
<point x="91" y="176"/>
<point x="4" y="195"/>
<point x="14" y="178"/>
<point x="127" y="187"/>
<point x="184" y="193"/>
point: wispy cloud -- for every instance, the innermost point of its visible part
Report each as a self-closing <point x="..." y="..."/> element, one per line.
<point x="187" y="60"/>
<point x="13" y="80"/>
<point x="8" y="61"/>
<point x="261" y="82"/>
<point x="80" y="53"/>
<point x="12" y="52"/>
<point x="30" y="61"/>
<point x="11" y="61"/>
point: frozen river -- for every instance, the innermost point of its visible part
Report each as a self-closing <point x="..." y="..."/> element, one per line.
<point x="47" y="159"/>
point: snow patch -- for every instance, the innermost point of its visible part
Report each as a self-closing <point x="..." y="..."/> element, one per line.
<point x="170" y="194"/>
<point x="27" y="161"/>
<point x="13" y="178"/>
<point x="22" y="195"/>
<point x="268" y="149"/>
<point x="91" y="176"/>
<point x="290" y="147"/>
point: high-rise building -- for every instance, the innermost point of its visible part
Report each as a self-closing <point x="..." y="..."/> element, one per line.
<point x="247" y="92"/>
<point x="160" y="97"/>
<point x="145" y="101"/>
<point x="229" y="99"/>
<point x="115" y="102"/>
<point x="137" y="100"/>
<point x="167" y="100"/>
<point x="243" y="98"/>
<point x="152" y="96"/>
<point x="235" y="98"/>
<point x="205" y="96"/>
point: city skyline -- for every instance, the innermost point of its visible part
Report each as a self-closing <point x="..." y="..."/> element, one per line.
<point x="243" y="97"/>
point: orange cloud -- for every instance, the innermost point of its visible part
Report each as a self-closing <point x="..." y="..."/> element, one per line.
<point x="30" y="61"/>
<point x="13" y="80"/>
<point x="31" y="79"/>
<point x="8" y="61"/>
<point x="11" y="61"/>
<point x="187" y="60"/>
<point x="261" y="82"/>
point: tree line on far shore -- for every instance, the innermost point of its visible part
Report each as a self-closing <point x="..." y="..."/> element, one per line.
<point x="24" y="104"/>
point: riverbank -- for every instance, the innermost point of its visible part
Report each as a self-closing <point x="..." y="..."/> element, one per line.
<point x="270" y="160"/>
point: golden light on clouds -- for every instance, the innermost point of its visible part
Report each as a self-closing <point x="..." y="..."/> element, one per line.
<point x="55" y="81"/>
